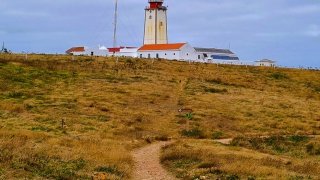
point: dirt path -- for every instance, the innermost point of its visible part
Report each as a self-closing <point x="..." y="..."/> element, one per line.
<point x="147" y="163"/>
<point x="224" y="141"/>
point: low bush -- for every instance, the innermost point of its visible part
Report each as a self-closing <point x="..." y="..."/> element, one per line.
<point x="162" y="138"/>
<point x="16" y="95"/>
<point x="195" y="133"/>
<point x="273" y="144"/>
<point x="279" y="76"/>
<point x="215" y="81"/>
<point x="313" y="149"/>
<point x="214" y="90"/>
<point x="216" y="135"/>
<point x="50" y="167"/>
<point x="110" y="170"/>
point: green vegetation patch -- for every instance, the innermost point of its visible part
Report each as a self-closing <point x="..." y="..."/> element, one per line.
<point x="217" y="135"/>
<point x="190" y="163"/>
<point x="279" y="76"/>
<point x="41" y="128"/>
<point x="221" y="82"/>
<point x="313" y="148"/>
<point x="17" y="95"/>
<point x="214" y="90"/>
<point x="28" y="77"/>
<point x="292" y="145"/>
<point x="110" y="170"/>
<point x="50" y="167"/>
<point x="194" y="133"/>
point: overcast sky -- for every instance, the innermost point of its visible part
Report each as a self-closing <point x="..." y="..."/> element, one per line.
<point x="284" y="30"/>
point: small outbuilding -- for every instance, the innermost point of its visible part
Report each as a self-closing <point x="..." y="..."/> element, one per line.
<point x="176" y="51"/>
<point x="216" y="55"/>
<point x="77" y="51"/>
<point x="266" y="63"/>
<point x="85" y="51"/>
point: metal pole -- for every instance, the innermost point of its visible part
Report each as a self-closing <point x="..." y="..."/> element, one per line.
<point x="115" y="24"/>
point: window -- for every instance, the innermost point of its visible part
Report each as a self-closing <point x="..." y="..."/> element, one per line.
<point x="174" y="54"/>
<point x="161" y="23"/>
<point x="157" y="56"/>
<point x="140" y="55"/>
<point x="199" y="56"/>
<point x="187" y="54"/>
<point x="92" y="53"/>
<point x="149" y="56"/>
<point x="165" y="54"/>
<point x="150" y="17"/>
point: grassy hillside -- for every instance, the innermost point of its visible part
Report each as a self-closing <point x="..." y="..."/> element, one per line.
<point x="67" y="119"/>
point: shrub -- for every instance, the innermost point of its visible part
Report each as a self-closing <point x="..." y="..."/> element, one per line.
<point x="214" y="90"/>
<point x="110" y="170"/>
<point x="298" y="138"/>
<point x="195" y="133"/>
<point x="217" y="135"/>
<point x="162" y="138"/>
<point x="312" y="149"/>
<point x="232" y="177"/>
<point x="215" y="81"/>
<point x="207" y="165"/>
<point x="50" y="167"/>
<point x="189" y="116"/>
<point x="279" y="76"/>
<point x="16" y="95"/>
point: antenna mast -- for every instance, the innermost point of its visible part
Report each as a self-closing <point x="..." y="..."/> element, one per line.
<point x="115" y="24"/>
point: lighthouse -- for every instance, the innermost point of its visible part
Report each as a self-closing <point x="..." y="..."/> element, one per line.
<point x="155" y="26"/>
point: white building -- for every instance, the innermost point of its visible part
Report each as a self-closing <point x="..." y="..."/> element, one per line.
<point x="77" y="51"/>
<point x="177" y="51"/>
<point x="155" y="26"/>
<point x="266" y="62"/>
<point x="123" y="52"/>
<point x="213" y="55"/>
<point x="86" y="51"/>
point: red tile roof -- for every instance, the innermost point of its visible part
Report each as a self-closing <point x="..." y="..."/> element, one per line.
<point x="75" y="49"/>
<point x="157" y="47"/>
<point x="117" y="49"/>
<point x="114" y="50"/>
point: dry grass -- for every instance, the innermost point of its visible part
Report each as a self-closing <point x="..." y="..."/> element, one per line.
<point x="191" y="159"/>
<point x="110" y="108"/>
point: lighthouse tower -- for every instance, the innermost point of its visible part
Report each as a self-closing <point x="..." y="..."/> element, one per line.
<point x="155" y="26"/>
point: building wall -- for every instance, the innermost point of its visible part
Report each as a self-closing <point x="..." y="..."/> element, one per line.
<point x="127" y="52"/>
<point x="267" y="64"/>
<point x="155" y="27"/>
<point x="188" y="53"/>
<point x="165" y="54"/>
<point x="200" y="56"/>
<point x="87" y="52"/>
<point x="185" y="53"/>
<point x="96" y="52"/>
<point x="78" y="53"/>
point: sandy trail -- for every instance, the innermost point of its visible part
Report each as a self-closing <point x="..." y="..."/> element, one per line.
<point x="147" y="163"/>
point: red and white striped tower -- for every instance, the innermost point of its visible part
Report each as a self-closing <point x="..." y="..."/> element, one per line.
<point x="155" y="26"/>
